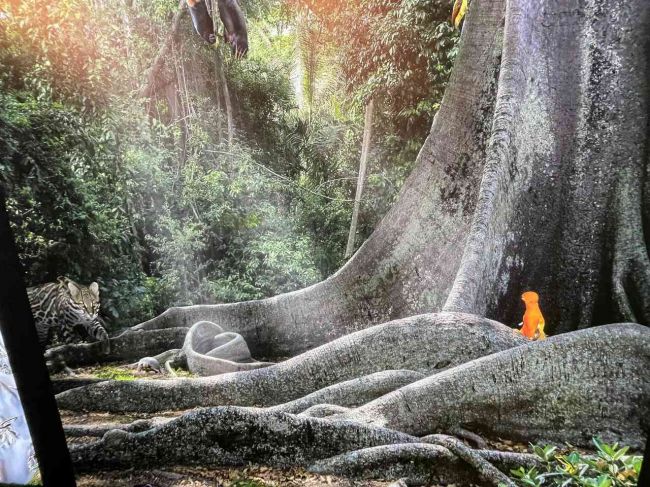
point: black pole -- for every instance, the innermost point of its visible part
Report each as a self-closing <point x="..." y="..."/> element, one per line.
<point x="28" y="366"/>
<point x="644" y="475"/>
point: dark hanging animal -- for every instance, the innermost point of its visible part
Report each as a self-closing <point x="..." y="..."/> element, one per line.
<point x="202" y="20"/>
<point x="235" y="31"/>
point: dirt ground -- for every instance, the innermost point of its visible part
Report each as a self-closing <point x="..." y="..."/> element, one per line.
<point x="252" y="476"/>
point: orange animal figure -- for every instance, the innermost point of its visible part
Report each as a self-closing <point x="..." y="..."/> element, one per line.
<point x="533" y="324"/>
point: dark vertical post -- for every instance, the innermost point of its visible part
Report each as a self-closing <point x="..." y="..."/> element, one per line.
<point x="28" y="365"/>
<point x="644" y="476"/>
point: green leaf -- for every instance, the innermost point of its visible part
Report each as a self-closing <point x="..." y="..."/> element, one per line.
<point x="604" y="481"/>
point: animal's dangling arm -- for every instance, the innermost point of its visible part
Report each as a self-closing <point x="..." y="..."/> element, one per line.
<point x="236" y="33"/>
<point x="96" y="331"/>
<point x="202" y="20"/>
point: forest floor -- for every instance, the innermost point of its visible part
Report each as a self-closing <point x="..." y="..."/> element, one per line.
<point x="248" y="476"/>
<point x="251" y="476"/>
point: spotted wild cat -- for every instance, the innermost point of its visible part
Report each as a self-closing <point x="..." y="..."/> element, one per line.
<point x="64" y="308"/>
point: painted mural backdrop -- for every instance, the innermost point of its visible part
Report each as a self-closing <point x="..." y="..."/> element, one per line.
<point x="17" y="460"/>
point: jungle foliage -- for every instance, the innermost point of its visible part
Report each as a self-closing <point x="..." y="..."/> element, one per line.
<point x="148" y="197"/>
<point x="611" y="466"/>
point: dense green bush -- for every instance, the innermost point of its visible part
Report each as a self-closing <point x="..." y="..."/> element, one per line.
<point x="237" y="241"/>
<point x="65" y="197"/>
<point x="610" y="467"/>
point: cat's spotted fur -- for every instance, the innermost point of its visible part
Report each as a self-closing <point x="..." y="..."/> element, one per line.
<point x="63" y="309"/>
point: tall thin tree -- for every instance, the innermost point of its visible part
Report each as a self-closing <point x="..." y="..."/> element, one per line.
<point x="361" y="178"/>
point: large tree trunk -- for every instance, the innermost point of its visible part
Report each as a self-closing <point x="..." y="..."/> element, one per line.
<point x="560" y="205"/>
<point x="535" y="176"/>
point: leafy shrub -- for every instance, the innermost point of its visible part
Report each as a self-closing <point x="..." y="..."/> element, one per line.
<point x="610" y="467"/>
<point x="65" y="198"/>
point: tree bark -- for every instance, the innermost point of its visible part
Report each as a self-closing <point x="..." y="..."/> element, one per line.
<point x="181" y="115"/>
<point x="218" y="71"/>
<point x="354" y="392"/>
<point x="152" y="74"/>
<point x="361" y="178"/>
<point x="217" y="99"/>
<point x="424" y="344"/>
<point x="417" y="464"/>
<point x="130" y="345"/>
<point x="546" y="391"/>
<point x="550" y="390"/>
<point x="561" y="200"/>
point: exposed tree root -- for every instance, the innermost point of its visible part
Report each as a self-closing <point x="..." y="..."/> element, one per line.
<point x="425" y="344"/>
<point x="414" y="463"/>
<point x="591" y="382"/>
<point x="424" y="463"/>
<point x="571" y="387"/>
<point x="130" y="345"/>
<point x="60" y="385"/>
<point x="507" y="460"/>
<point x="631" y="281"/>
<point x="630" y="272"/>
<point x="567" y="388"/>
<point x="99" y="430"/>
<point x="464" y="434"/>
<point x="324" y="410"/>
<point x="232" y="436"/>
<point x="353" y="392"/>
<point x="483" y="467"/>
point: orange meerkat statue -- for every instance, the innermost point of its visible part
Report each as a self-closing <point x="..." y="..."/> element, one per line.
<point x="533" y="324"/>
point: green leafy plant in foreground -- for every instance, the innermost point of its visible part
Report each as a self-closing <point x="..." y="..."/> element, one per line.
<point x="611" y="466"/>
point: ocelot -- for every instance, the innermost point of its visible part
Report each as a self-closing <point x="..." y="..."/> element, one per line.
<point x="65" y="310"/>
